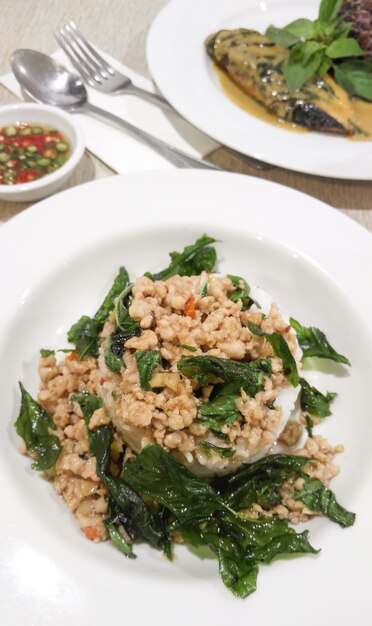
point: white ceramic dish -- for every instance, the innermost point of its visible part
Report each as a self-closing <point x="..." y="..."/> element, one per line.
<point x="183" y="72"/>
<point x="49" y="117"/>
<point x="72" y="244"/>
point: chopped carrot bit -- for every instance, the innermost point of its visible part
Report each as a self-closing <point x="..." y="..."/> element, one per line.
<point x="102" y="380"/>
<point x="72" y="356"/>
<point x="91" y="532"/>
<point x="190" y="307"/>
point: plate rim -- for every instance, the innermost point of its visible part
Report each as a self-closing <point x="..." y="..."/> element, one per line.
<point x="52" y="209"/>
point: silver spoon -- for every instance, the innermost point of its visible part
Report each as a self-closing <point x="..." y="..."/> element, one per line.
<point x="49" y="82"/>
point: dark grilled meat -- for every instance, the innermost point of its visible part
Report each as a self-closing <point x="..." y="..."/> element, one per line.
<point x="255" y="64"/>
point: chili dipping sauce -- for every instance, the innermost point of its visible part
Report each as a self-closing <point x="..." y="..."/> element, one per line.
<point x="29" y="151"/>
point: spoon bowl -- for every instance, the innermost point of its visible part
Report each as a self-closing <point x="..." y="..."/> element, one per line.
<point x="48" y="81"/>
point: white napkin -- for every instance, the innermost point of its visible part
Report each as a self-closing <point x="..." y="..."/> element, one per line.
<point x="115" y="147"/>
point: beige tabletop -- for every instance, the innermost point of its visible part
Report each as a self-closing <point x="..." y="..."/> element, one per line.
<point x="120" y="28"/>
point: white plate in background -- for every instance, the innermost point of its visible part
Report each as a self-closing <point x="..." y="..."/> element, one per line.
<point x="183" y="72"/>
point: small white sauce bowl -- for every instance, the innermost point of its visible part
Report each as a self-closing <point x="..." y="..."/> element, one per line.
<point x="49" y="117"/>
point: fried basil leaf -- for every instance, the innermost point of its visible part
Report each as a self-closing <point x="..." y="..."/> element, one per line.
<point x="120" y="283"/>
<point x="204" y="519"/>
<point x="192" y="261"/>
<point x="221" y="409"/>
<point x="241" y="544"/>
<point x="84" y="335"/>
<point x="136" y="516"/>
<point x="281" y="350"/>
<point x="248" y="375"/>
<point x="147" y="362"/>
<point x="321" y="499"/>
<point x="209" y="449"/>
<point x="114" y="524"/>
<point x="113" y="362"/>
<point x="258" y="482"/>
<point x="159" y="476"/>
<point x="313" y="342"/>
<point x="117" y="341"/>
<point x="315" y="402"/>
<point x="85" y="332"/>
<point x="33" y="424"/>
<point x="242" y="292"/>
<point x="124" y="323"/>
<point x="119" y="541"/>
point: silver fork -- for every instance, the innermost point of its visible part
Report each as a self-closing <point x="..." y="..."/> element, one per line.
<point x="95" y="70"/>
<point x="99" y="74"/>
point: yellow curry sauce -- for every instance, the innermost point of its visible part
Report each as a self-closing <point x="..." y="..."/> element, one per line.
<point x="250" y="71"/>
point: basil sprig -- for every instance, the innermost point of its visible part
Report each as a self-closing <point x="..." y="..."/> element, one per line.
<point x="319" y="46"/>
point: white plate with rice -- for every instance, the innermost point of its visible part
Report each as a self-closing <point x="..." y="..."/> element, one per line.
<point x="58" y="260"/>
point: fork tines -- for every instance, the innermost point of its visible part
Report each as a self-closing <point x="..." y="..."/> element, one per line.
<point x="93" y="68"/>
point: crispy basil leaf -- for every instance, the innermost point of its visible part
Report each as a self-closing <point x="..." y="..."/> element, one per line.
<point x="85" y="332"/>
<point x="113" y="362"/>
<point x="319" y="498"/>
<point x="221" y="409"/>
<point x="248" y="375"/>
<point x="313" y="342"/>
<point x="117" y="340"/>
<point x="193" y="260"/>
<point x="204" y="519"/>
<point x="88" y="404"/>
<point x="355" y="77"/>
<point x="242" y="293"/>
<point x="147" y="362"/>
<point x="258" y="482"/>
<point x="139" y="520"/>
<point x="124" y="322"/>
<point x="281" y="349"/>
<point x="120" y="283"/>
<point x="136" y="516"/>
<point x="315" y="402"/>
<point x="159" y="476"/>
<point x="241" y="544"/>
<point x="126" y="328"/>
<point x="209" y="449"/>
<point x="119" y="541"/>
<point x="114" y="525"/>
<point x="33" y="424"/>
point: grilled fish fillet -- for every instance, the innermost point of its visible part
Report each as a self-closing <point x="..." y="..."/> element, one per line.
<point x="255" y="64"/>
